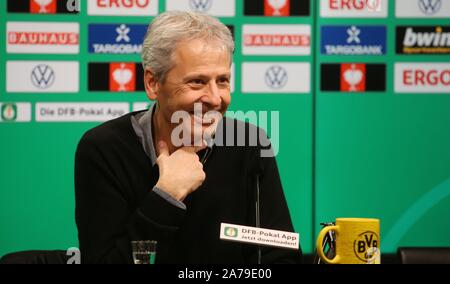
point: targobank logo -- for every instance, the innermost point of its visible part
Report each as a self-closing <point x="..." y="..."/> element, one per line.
<point x="116" y="39"/>
<point x="353" y="40"/>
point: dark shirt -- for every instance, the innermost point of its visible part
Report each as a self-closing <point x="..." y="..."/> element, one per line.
<point x="115" y="203"/>
<point x="142" y="123"/>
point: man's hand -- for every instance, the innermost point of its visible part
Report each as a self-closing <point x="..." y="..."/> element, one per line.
<point x="180" y="173"/>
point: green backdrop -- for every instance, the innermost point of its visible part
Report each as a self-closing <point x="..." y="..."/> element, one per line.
<point x="380" y="155"/>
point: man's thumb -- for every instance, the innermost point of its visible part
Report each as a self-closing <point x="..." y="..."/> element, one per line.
<point x="163" y="149"/>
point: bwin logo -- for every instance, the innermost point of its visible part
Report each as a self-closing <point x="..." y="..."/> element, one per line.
<point x="430" y="7"/>
<point x="200" y="5"/>
<point x="276" y="77"/>
<point x="42" y="76"/>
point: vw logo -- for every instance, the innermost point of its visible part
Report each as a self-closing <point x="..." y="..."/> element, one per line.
<point x="276" y="77"/>
<point x="430" y="7"/>
<point x="200" y="5"/>
<point x="42" y="76"/>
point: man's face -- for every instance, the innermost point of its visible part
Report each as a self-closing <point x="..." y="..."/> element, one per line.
<point x="200" y="77"/>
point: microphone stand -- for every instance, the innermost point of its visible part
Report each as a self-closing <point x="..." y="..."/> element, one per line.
<point x="258" y="221"/>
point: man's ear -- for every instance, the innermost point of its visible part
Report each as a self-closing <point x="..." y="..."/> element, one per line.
<point x="151" y="85"/>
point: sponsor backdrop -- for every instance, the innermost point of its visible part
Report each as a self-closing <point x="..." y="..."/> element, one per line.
<point x="362" y="88"/>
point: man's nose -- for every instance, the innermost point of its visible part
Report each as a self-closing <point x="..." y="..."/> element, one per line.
<point x="213" y="97"/>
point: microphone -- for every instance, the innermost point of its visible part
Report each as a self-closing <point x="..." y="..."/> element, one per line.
<point x="206" y="155"/>
<point x="259" y="170"/>
<point x="256" y="235"/>
<point x="209" y="142"/>
<point x="258" y="215"/>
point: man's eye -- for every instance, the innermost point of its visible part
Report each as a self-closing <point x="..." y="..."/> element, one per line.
<point x="196" y="82"/>
<point x="224" y="81"/>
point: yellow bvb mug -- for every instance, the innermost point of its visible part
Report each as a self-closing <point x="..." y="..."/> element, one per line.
<point x="357" y="241"/>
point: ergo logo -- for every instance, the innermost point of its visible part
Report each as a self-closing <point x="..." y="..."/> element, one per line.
<point x="122" y="3"/>
<point x="419" y="77"/>
<point x="370" y="5"/>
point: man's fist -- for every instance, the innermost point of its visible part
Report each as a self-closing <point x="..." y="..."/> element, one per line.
<point x="180" y="173"/>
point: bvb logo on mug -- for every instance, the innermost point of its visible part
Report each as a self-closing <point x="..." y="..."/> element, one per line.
<point x="357" y="241"/>
<point x="364" y="244"/>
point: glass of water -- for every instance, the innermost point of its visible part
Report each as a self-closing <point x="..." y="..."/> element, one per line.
<point x="144" y="252"/>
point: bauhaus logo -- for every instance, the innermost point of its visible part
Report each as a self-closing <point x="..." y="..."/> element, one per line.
<point x="116" y="39"/>
<point x="219" y="8"/>
<point x="123" y="7"/>
<point x="423" y="40"/>
<point x="115" y="77"/>
<point x="353" y="77"/>
<point x="276" y="77"/>
<point x="15" y="112"/>
<point x="353" y="40"/>
<point x="42" y="76"/>
<point x="424" y="78"/>
<point x="41" y="37"/>
<point x="42" y="6"/>
<point x="276" y="39"/>
<point x="422" y="8"/>
<point x="354" y="8"/>
<point x="276" y="8"/>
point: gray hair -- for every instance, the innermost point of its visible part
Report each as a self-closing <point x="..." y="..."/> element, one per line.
<point x="170" y="28"/>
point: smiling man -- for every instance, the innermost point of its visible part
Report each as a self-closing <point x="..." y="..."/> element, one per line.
<point x="163" y="174"/>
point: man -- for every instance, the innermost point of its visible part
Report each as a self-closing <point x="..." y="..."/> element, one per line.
<point x="136" y="177"/>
